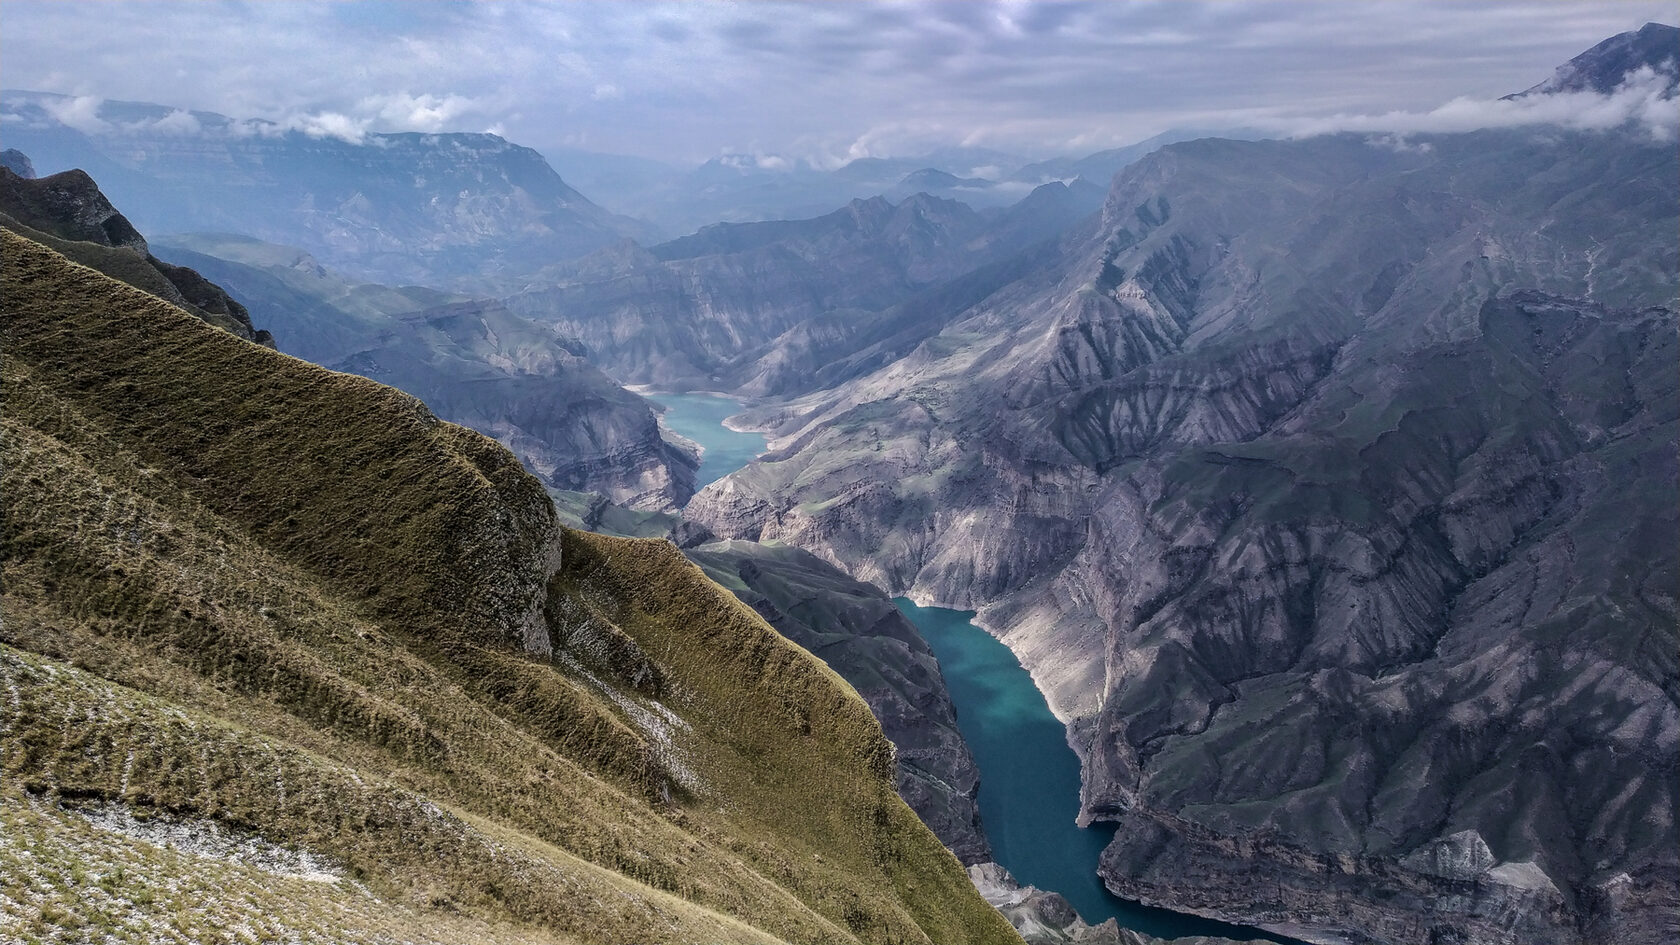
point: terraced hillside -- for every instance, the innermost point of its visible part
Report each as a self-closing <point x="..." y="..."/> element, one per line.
<point x="283" y="631"/>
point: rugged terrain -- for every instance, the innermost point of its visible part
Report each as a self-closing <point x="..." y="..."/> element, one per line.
<point x="471" y="360"/>
<point x="68" y="212"/>
<point x="284" y="627"/>
<point x="1326" y="488"/>
<point x="859" y="633"/>
<point x="760" y="308"/>
<point x="465" y="210"/>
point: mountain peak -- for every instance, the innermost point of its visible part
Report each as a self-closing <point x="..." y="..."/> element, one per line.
<point x="18" y="163"/>
<point x="1605" y="66"/>
<point x="70" y="206"/>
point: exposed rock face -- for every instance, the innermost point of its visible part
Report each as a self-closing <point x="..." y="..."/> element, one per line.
<point x="471" y="210"/>
<point x="1327" y="491"/>
<point x="1045" y="918"/>
<point x="858" y="632"/>
<point x="708" y="309"/>
<point x="69" y="212"/>
<point x="70" y="207"/>
<point x="471" y="361"/>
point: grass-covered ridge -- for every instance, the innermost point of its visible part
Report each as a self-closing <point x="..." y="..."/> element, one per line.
<point x="244" y="590"/>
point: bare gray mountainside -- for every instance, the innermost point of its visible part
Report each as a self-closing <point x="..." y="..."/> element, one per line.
<point x="759" y="307"/>
<point x="470" y="360"/>
<point x="69" y="212"/>
<point x="1046" y="918"/>
<point x="466" y="210"/>
<point x="1326" y="488"/>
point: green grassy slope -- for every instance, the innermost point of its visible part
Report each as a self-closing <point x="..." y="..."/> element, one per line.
<point x="249" y="597"/>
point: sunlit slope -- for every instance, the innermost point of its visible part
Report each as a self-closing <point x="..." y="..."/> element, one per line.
<point x="249" y="597"/>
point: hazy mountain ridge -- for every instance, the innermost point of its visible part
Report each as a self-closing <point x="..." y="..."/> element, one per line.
<point x="457" y="209"/>
<point x="748" y="188"/>
<point x="707" y="310"/>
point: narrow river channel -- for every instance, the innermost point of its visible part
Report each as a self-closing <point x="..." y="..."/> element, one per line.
<point x="1029" y="777"/>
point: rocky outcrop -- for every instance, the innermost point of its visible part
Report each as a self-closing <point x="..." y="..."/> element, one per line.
<point x="69" y="212"/>
<point x="1326" y="490"/>
<point x="468" y="210"/>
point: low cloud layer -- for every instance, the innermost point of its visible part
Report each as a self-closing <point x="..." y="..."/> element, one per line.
<point x="1645" y="99"/>
<point x="822" y="83"/>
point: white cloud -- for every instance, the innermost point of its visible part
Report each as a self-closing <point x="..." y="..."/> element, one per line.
<point x="177" y="122"/>
<point x="820" y="81"/>
<point x="80" y="113"/>
<point x="328" y="125"/>
<point x="1644" y="99"/>
<point x="401" y="111"/>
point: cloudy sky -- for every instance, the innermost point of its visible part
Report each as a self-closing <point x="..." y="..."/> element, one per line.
<point x="688" y="81"/>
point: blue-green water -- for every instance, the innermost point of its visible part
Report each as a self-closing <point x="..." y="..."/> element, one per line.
<point x="1029" y="779"/>
<point x="700" y="418"/>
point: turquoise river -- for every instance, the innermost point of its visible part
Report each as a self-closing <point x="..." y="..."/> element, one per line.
<point x="1029" y="776"/>
<point x="700" y="418"/>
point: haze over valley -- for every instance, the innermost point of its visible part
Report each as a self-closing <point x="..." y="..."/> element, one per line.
<point x="878" y="472"/>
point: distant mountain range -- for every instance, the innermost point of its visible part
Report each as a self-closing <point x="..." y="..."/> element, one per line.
<point x="752" y="188"/>
<point x="759" y="307"/>
<point x="460" y="210"/>
<point x="471" y="212"/>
